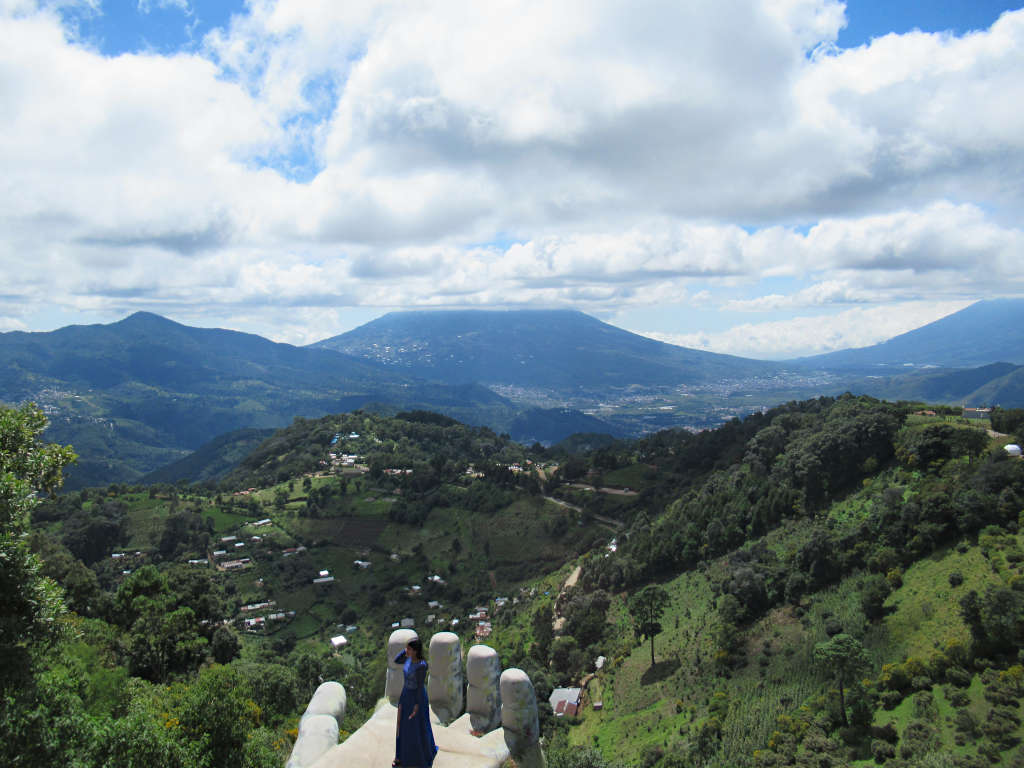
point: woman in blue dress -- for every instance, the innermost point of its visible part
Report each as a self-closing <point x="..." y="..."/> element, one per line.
<point x="414" y="738"/>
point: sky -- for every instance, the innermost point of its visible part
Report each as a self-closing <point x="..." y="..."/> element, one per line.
<point x="767" y="178"/>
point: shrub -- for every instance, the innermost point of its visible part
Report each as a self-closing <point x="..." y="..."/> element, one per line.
<point x="921" y="683"/>
<point x="965" y="722"/>
<point x="924" y="706"/>
<point x="919" y="738"/>
<point x="891" y="699"/>
<point x="958" y="676"/>
<point x="959" y="699"/>
<point x="956" y="579"/>
<point x="874" y="591"/>
<point x="882" y="750"/>
<point x="895" y="577"/>
<point x="885" y="732"/>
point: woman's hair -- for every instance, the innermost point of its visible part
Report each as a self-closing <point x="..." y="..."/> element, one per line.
<point x="417" y="646"/>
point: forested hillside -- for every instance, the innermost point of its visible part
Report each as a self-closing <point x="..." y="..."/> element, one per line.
<point x="831" y="582"/>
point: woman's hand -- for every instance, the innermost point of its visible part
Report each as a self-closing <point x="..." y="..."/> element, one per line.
<point x="415" y="709"/>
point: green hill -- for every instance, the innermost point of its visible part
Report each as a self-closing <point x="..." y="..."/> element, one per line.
<point x="145" y="391"/>
<point x="211" y="461"/>
<point x="835" y="533"/>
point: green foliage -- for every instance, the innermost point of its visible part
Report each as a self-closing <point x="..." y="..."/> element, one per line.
<point x="646" y="609"/>
<point x="995" y="619"/>
<point x="874" y="590"/>
<point x="1007" y="420"/>
<point x="29" y="602"/>
<point x="928" y="446"/>
<point x="162" y="622"/>
<point x="843" y="656"/>
<point x="585" y="614"/>
<point x="574" y="757"/>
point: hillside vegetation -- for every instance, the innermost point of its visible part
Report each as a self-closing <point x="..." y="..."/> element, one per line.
<point x="831" y="582"/>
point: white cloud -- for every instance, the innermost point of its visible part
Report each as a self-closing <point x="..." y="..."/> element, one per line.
<point x="811" y="335"/>
<point x="146" y="6"/>
<point x="618" y="147"/>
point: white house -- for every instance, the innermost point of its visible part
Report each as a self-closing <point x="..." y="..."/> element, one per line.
<point x="1012" y="450"/>
<point x="565" y="701"/>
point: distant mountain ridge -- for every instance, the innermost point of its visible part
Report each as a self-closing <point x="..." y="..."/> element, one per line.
<point x="136" y="394"/>
<point x="986" y="332"/>
<point x="561" y="350"/>
<point x="140" y="393"/>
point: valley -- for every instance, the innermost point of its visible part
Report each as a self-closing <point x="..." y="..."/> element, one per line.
<point x="347" y="525"/>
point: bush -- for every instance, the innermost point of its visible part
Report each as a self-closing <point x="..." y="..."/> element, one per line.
<point x="966" y="722"/>
<point x="882" y="750"/>
<point x="956" y="579"/>
<point x="958" y="676"/>
<point x="885" y="732"/>
<point x="959" y="699"/>
<point x="874" y="591"/>
<point x="919" y="738"/>
<point x="891" y="699"/>
<point x="924" y="706"/>
<point x="921" y="683"/>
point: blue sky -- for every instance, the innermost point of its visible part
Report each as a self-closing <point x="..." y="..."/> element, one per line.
<point x="867" y="19"/>
<point x="167" y="26"/>
<point x="753" y="177"/>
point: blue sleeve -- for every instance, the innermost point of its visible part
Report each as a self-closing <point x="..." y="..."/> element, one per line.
<point x="400" y="658"/>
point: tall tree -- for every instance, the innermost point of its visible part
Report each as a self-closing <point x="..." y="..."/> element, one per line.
<point x="844" y="657"/>
<point x="28" y="601"/>
<point x="647" y="608"/>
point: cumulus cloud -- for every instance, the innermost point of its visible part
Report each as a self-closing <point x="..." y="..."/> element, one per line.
<point x="811" y="335"/>
<point x="316" y="154"/>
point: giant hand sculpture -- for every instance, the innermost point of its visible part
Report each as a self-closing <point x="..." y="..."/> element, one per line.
<point x="492" y="697"/>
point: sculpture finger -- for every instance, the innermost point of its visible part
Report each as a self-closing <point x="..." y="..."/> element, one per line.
<point x="444" y="685"/>
<point x="395" y="677"/>
<point x="519" y="718"/>
<point x="483" y="692"/>
<point x="319" y="726"/>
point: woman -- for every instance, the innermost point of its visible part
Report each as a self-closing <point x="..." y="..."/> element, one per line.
<point x="414" y="738"/>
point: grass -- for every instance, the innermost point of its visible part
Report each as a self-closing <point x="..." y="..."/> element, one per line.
<point x="925" y="611"/>
<point x="645" y="708"/>
<point x="635" y="476"/>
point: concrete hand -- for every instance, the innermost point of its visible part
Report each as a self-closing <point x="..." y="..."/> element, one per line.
<point x="500" y="718"/>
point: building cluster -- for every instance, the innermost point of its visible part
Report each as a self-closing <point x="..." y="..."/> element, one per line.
<point x="260" y="623"/>
<point x="125" y="557"/>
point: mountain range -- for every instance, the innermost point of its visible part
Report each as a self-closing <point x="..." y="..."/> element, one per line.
<point x="135" y="395"/>
<point x="557" y="350"/>
<point x="985" y="332"/>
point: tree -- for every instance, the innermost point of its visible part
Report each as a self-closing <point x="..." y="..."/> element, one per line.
<point x="646" y="609"/>
<point x="873" y="593"/>
<point x="28" y="601"/>
<point x="844" y="656"/>
<point x="225" y="645"/>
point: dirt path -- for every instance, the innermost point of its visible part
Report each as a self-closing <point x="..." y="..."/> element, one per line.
<point x="573" y="578"/>
<point x="558" y="624"/>
<point x="603" y="489"/>
<point x="609" y="521"/>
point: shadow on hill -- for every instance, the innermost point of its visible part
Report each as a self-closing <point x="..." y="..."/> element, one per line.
<point x="659" y="671"/>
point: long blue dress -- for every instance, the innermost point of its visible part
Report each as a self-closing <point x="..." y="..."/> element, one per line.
<point x="414" y="740"/>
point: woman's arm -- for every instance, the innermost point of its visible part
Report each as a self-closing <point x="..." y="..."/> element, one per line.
<point x="400" y="658"/>
<point x="421" y="675"/>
